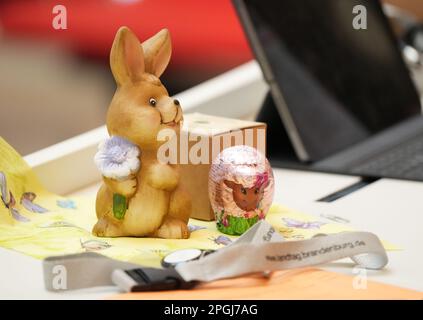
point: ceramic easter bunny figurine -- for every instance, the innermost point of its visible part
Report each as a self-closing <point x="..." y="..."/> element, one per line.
<point x="157" y="205"/>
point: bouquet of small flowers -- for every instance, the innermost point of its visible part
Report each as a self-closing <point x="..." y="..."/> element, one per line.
<point x="117" y="158"/>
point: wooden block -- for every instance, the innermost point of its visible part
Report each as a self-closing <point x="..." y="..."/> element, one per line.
<point x="201" y="132"/>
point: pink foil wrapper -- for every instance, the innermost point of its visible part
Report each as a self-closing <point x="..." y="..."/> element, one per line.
<point x="241" y="188"/>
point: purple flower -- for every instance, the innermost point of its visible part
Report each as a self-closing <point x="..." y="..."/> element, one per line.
<point x="117" y="158"/>
<point x="262" y="179"/>
<point x="225" y="221"/>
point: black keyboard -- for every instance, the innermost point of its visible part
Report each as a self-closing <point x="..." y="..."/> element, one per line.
<point x="404" y="161"/>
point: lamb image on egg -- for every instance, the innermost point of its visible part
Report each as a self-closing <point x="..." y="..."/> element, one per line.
<point x="248" y="199"/>
<point x="240" y="188"/>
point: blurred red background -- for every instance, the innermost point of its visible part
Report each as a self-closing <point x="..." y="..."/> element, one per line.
<point x="207" y="37"/>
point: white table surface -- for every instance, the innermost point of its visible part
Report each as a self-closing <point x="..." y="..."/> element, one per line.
<point x="392" y="209"/>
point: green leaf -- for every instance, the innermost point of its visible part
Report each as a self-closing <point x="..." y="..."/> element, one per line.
<point x="119" y="206"/>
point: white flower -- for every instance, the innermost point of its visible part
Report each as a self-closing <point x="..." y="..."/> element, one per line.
<point x="117" y="158"/>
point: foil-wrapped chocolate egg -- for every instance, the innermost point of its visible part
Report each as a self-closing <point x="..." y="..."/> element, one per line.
<point x="241" y="188"/>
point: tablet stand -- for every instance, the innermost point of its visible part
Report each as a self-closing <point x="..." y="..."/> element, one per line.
<point x="279" y="147"/>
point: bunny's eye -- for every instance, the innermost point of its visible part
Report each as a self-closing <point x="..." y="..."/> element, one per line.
<point x="152" y="102"/>
<point x="243" y="191"/>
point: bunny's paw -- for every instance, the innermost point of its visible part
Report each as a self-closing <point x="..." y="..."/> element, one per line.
<point x="173" y="229"/>
<point x="104" y="228"/>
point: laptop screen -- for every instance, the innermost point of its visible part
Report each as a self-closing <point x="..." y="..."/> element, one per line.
<point x="339" y="84"/>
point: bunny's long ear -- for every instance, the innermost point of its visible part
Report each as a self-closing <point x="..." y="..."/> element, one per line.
<point x="157" y="50"/>
<point x="126" y="57"/>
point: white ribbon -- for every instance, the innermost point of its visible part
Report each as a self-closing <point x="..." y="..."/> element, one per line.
<point x="263" y="249"/>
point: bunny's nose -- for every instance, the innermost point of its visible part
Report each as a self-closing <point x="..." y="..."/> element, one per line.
<point x="170" y="111"/>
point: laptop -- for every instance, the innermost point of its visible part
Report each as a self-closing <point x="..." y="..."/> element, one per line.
<point x="344" y="94"/>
